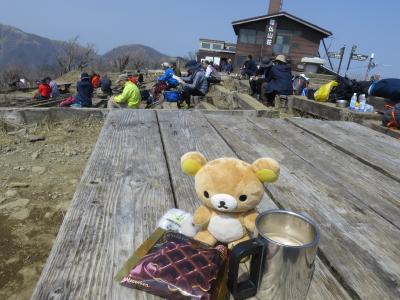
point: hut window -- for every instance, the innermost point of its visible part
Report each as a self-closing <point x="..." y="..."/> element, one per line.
<point x="282" y="43"/>
<point x="206" y="45"/>
<point x="247" y="36"/>
<point x="217" y="46"/>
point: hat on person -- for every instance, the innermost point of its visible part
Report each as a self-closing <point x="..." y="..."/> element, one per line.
<point x="281" y="58"/>
<point x="165" y="65"/>
<point x="123" y="77"/>
<point x="84" y="76"/>
<point x="192" y="65"/>
<point x="266" y="62"/>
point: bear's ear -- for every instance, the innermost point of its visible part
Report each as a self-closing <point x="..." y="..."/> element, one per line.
<point x="192" y="162"/>
<point x="266" y="169"/>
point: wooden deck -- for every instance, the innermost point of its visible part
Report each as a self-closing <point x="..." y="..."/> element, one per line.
<point x="345" y="176"/>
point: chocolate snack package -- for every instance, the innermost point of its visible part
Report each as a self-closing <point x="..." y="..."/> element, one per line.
<point x="173" y="266"/>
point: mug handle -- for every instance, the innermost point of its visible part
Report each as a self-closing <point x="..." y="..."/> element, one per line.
<point x="249" y="287"/>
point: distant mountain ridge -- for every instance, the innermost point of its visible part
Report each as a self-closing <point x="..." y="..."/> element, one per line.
<point x="135" y="49"/>
<point x="21" y="48"/>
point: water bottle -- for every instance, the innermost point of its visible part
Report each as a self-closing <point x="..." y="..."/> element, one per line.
<point x="363" y="102"/>
<point x="353" y="101"/>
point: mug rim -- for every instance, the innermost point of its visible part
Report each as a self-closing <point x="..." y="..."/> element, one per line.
<point x="314" y="242"/>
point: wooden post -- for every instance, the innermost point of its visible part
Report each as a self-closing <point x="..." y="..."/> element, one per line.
<point x="290" y="104"/>
<point x="277" y="101"/>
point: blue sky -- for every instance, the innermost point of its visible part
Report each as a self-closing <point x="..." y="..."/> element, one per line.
<point x="174" y="26"/>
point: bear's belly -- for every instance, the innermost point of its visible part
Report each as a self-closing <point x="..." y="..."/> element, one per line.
<point x="225" y="229"/>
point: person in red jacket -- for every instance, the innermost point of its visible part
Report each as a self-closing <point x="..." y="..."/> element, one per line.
<point x="44" y="91"/>
<point x="96" y="80"/>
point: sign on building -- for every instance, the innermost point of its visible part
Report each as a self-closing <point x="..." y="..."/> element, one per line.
<point x="270" y="32"/>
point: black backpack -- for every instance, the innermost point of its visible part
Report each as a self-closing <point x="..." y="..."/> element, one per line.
<point x="391" y="116"/>
<point x="145" y="94"/>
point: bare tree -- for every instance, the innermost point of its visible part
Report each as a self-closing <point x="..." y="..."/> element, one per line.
<point x="138" y="59"/>
<point x="75" y="56"/>
<point x="120" y="62"/>
<point x="191" y="56"/>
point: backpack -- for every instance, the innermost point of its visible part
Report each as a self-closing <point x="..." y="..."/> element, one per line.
<point x="299" y="84"/>
<point x="391" y="116"/>
<point x="145" y="94"/>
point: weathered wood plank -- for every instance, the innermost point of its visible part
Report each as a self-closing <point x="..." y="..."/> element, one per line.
<point x="207" y="106"/>
<point x="248" y="102"/>
<point x="189" y="131"/>
<point x="373" y="148"/>
<point x="362" y="247"/>
<point x="125" y="189"/>
<point x="371" y="189"/>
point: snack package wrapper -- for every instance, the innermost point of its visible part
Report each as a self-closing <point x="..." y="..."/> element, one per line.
<point x="173" y="266"/>
<point x="179" y="221"/>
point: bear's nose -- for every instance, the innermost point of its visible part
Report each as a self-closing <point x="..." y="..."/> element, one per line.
<point x="223" y="202"/>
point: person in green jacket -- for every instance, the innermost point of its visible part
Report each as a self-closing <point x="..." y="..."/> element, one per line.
<point x="130" y="97"/>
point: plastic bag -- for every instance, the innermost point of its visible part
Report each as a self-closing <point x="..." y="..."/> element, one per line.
<point x="322" y="94"/>
<point x="179" y="221"/>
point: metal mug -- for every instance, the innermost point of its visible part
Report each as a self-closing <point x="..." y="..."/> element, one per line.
<point x="282" y="257"/>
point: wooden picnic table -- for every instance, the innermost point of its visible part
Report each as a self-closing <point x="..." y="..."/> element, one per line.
<point x="345" y="176"/>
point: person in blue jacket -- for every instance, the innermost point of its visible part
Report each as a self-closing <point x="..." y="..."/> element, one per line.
<point x="84" y="90"/>
<point x="164" y="83"/>
<point x="278" y="81"/>
<point x="167" y="77"/>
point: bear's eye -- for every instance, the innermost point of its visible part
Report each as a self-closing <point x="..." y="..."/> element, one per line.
<point x="206" y="194"/>
<point x="243" y="198"/>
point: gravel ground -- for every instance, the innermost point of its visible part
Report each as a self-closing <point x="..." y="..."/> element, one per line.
<point x="40" y="167"/>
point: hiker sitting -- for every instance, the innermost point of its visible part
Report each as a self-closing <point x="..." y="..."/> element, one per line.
<point x="84" y="90"/>
<point x="105" y="85"/>
<point x="164" y="83"/>
<point x="95" y="80"/>
<point x="168" y="76"/>
<point x="260" y="77"/>
<point x="24" y="83"/>
<point x="54" y="87"/>
<point x="44" y="91"/>
<point x="212" y="74"/>
<point x="140" y="78"/>
<point x="250" y="67"/>
<point x="278" y="82"/>
<point x="130" y="97"/>
<point x="195" y="84"/>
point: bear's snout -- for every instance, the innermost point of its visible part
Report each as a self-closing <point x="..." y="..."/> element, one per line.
<point x="223" y="202"/>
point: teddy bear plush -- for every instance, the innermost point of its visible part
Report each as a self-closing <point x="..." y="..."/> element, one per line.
<point x="230" y="190"/>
